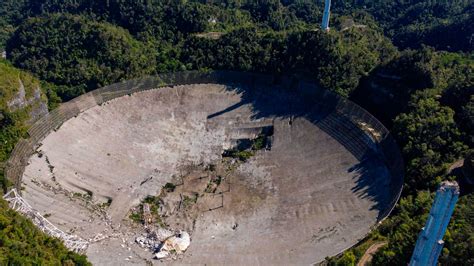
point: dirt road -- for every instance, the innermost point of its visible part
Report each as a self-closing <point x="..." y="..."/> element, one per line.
<point x="365" y="260"/>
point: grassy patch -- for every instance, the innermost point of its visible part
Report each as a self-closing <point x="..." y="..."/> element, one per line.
<point x="213" y="184"/>
<point x="241" y="155"/>
<point x="136" y="217"/>
<point x="189" y="201"/>
<point x="259" y="143"/>
<point x="154" y="202"/>
<point x="169" y="187"/>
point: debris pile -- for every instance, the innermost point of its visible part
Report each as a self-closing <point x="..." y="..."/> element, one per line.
<point x="164" y="243"/>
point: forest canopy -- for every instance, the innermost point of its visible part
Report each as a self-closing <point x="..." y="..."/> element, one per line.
<point x="91" y="55"/>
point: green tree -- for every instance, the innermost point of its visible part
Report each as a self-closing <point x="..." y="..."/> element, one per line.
<point x="403" y="229"/>
<point x="21" y="243"/>
<point x="95" y="54"/>
<point x="429" y="138"/>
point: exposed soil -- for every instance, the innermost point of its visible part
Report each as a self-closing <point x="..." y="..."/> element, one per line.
<point x="202" y="189"/>
<point x="369" y="253"/>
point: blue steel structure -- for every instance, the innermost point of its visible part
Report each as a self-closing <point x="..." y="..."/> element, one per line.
<point x="430" y="241"/>
<point x="326" y="15"/>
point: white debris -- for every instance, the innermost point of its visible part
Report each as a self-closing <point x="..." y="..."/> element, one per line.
<point x="141" y="241"/>
<point x="161" y="255"/>
<point x="164" y="243"/>
<point x="179" y="242"/>
<point x="98" y="237"/>
<point x="163" y="234"/>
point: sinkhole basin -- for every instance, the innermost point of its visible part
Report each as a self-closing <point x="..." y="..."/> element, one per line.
<point x="325" y="177"/>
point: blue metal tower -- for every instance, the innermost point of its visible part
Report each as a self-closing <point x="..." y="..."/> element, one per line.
<point x="430" y="241"/>
<point x="326" y="15"/>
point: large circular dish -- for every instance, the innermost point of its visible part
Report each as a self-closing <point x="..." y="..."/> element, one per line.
<point x="331" y="173"/>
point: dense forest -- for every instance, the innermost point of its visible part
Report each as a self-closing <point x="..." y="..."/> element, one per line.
<point x="410" y="63"/>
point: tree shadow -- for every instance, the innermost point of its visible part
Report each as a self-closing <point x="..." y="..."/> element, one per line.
<point x="373" y="181"/>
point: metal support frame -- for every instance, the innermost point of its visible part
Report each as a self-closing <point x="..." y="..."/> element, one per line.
<point x="17" y="203"/>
